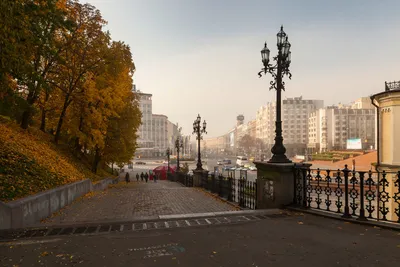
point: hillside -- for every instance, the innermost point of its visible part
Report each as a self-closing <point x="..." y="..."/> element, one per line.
<point x="30" y="163"/>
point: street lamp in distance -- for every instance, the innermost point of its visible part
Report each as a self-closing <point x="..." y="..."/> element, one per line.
<point x="198" y="130"/>
<point x="168" y="155"/>
<point x="178" y="146"/>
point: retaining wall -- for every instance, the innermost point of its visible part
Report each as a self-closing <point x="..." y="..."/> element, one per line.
<point x="30" y="210"/>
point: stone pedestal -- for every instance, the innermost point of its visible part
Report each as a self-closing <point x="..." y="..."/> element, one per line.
<point x="198" y="176"/>
<point x="275" y="185"/>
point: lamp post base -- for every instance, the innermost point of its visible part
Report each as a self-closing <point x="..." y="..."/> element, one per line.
<point x="279" y="159"/>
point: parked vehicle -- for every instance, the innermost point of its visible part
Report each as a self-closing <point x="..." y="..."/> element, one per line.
<point x="252" y="168"/>
<point x="219" y="162"/>
<point x="241" y="161"/>
<point x="227" y="168"/>
<point x="140" y="163"/>
<point x="227" y="161"/>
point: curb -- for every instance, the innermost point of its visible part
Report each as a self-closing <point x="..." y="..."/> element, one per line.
<point x="385" y="225"/>
<point x="158" y="218"/>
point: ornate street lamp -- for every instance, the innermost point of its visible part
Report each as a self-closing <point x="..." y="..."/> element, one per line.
<point x="178" y="146"/>
<point x="278" y="70"/>
<point x="198" y="130"/>
<point x="168" y="155"/>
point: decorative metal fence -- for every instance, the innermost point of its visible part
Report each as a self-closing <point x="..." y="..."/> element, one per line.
<point x="184" y="179"/>
<point x="365" y="195"/>
<point x="239" y="190"/>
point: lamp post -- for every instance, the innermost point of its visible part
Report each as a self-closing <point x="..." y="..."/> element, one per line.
<point x="178" y="146"/>
<point x="198" y="130"/>
<point x="168" y="155"/>
<point x="278" y="70"/>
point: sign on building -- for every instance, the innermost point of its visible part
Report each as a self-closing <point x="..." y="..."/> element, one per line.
<point x="354" y="143"/>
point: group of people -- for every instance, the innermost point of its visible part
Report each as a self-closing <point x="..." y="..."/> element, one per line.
<point x="143" y="176"/>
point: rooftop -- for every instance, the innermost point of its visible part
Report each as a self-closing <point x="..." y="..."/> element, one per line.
<point x="362" y="163"/>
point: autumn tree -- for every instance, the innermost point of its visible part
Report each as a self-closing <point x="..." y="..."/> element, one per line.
<point x="247" y="143"/>
<point x="87" y="44"/>
<point x="55" y="57"/>
<point x="120" y="142"/>
<point x="28" y="50"/>
<point x="43" y="20"/>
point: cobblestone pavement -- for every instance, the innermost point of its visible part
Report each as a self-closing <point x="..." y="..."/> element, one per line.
<point x="138" y="200"/>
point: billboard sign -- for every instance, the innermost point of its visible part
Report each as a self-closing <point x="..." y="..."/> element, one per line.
<point x="232" y="139"/>
<point x="354" y="143"/>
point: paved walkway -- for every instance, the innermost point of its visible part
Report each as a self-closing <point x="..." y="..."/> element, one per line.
<point x="138" y="200"/>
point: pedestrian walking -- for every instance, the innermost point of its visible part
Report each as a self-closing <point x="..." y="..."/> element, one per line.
<point x="146" y="176"/>
<point x="137" y="177"/>
<point x="155" y="178"/>
<point x="142" y="176"/>
<point x="127" y="179"/>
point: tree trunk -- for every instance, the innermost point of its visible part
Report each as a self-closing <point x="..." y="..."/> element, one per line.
<point x="61" y="119"/>
<point x="43" y="123"/>
<point x="78" y="147"/>
<point x="27" y="114"/>
<point x="96" y="160"/>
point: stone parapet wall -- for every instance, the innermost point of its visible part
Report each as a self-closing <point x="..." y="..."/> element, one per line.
<point x="30" y="210"/>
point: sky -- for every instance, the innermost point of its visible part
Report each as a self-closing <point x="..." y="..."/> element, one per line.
<point x="203" y="56"/>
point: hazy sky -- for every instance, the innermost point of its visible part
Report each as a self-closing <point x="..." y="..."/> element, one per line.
<point x="202" y="56"/>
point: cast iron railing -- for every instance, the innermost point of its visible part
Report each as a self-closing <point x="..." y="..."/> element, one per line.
<point x="392" y="85"/>
<point x="184" y="179"/>
<point x="240" y="190"/>
<point x="365" y="195"/>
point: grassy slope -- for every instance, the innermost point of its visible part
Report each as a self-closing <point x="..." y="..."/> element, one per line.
<point x="30" y="163"/>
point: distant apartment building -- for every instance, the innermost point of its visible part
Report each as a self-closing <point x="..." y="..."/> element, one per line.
<point x="173" y="133"/>
<point x="252" y="128"/>
<point x="295" y="123"/>
<point x="153" y="132"/>
<point x="160" y="134"/>
<point x="331" y="127"/>
<point x="145" y="139"/>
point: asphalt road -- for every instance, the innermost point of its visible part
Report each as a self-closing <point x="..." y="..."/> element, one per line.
<point x="290" y="241"/>
<point x="209" y="164"/>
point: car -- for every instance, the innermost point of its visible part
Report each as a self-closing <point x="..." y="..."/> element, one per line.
<point x="165" y="162"/>
<point x="252" y="168"/>
<point x="227" y="168"/>
<point x="227" y="161"/>
<point x="140" y="163"/>
<point x="241" y="161"/>
<point x="219" y="162"/>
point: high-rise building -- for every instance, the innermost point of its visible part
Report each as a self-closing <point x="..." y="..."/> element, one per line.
<point x="153" y="132"/>
<point x="295" y="113"/>
<point x="330" y="128"/>
<point x="145" y="138"/>
<point x="160" y="134"/>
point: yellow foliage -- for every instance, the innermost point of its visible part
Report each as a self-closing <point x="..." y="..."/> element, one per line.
<point x="27" y="144"/>
<point x="30" y="163"/>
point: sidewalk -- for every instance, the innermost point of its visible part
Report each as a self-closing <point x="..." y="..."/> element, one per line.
<point x="295" y="240"/>
<point x="138" y="200"/>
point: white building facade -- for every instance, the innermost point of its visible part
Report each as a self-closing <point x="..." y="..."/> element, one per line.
<point x="295" y="114"/>
<point x="331" y="127"/>
<point x="153" y="132"/>
<point x="160" y="134"/>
